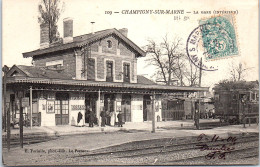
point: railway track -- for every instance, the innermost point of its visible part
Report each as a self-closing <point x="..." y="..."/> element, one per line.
<point x="168" y="147"/>
<point x="27" y="140"/>
<point x="244" y="144"/>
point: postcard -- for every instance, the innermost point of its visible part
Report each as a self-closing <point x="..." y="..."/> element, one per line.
<point x="119" y="82"/>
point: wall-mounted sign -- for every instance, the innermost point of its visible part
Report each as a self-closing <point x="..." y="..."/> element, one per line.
<point x="25" y="102"/>
<point x="137" y="107"/>
<point x="77" y="97"/>
<point x="50" y="106"/>
<point x="78" y="107"/>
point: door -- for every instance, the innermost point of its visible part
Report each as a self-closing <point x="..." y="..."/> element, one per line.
<point x="126" y="108"/>
<point x="147" y="110"/>
<point x="62" y="109"/>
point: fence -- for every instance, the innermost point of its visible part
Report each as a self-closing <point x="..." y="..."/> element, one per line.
<point x="170" y="115"/>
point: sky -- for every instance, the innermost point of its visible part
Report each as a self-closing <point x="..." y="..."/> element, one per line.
<point x="21" y="31"/>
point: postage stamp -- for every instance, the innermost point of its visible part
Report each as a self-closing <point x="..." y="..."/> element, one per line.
<point x="219" y="37"/>
<point x="215" y="38"/>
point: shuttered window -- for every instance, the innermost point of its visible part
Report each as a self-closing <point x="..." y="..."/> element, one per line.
<point x="126" y="72"/>
<point x="91" y="69"/>
<point x="109" y="71"/>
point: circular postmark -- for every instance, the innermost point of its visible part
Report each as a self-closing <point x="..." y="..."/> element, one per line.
<point x="196" y="52"/>
<point x="214" y="39"/>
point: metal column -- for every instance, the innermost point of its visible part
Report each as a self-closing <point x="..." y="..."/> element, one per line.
<point x="153" y="114"/>
<point x="31" y="107"/>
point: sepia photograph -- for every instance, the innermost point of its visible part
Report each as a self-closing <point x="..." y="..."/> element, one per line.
<point x="130" y="83"/>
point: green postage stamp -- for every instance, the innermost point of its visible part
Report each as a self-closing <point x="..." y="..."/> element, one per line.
<point x="219" y="37"/>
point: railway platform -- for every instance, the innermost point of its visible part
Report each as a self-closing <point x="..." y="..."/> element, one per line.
<point x="128" y="127"/>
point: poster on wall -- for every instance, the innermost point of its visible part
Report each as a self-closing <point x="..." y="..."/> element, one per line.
<point x="50" y="106"/>
<point x="118" y="106"/>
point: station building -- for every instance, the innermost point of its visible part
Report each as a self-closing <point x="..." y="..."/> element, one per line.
<point x="96" y="70"/>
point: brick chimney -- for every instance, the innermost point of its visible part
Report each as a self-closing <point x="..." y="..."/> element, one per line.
<point x="44" y="36"/>
<point x="124" y="31"/>
<point x="67" y="30"/>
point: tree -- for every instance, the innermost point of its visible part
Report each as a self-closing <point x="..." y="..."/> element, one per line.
<point x="49" y="13"/>
<point x="237" y="72"/>
<point x="233" y="85"/>
<point x="171" y="62"/>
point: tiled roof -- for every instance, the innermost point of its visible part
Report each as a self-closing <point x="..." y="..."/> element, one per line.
<point x="82" y="40"/>
<point x="37" y="72"/>
<point x="143" y="80"/>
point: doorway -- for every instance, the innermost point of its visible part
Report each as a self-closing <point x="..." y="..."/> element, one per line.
<point x="147" y="110"/>
<point x="109" y="107"/>
<point x="90" y="102"/>
<point x="126" y="108"/>
<point x="62" y="109"/>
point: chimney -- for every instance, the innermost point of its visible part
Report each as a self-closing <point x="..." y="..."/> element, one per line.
<point x="92" y="27"/>
<point x="67" y="30"/>
<point x="44" y="36"/>
<point x="124" y="31"/>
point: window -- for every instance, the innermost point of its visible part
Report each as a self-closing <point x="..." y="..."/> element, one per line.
<point x="91" y="69"/>
<point x="14" y="73"/>
<point x="126" y="72"/>
<point x="109" y="71"/>
<point x="109" y="44"/>
<point x="57" y="64"/>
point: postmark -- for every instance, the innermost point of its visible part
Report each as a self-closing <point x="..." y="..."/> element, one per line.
<point x="213" y="39"/>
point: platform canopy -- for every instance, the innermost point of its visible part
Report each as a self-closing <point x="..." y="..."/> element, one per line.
<point x="23" y="77"/>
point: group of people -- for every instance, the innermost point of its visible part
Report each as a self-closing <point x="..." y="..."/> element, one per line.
<point x="106" y="118"/>
<point x="90" y="115"/>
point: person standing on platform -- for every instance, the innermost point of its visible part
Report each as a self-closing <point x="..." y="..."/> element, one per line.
<point x="197" y="117"/>
<point x="91" y="117"/>
<point x="79" y="118"/>
<point x="120" y="122"/>
<point x="103" y="118"/>
<point x="108" y="118"/>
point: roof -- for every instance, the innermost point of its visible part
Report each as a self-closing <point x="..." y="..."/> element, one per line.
<point x="86" y="39"/>
<point x="143" y="80"/>
<point x="36" y="72"/>
<point x="35" y="75"/>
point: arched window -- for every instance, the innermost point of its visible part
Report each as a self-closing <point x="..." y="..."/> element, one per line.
<point x="109" y="44"/>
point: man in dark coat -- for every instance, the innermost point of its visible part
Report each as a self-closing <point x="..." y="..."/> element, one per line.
<point x="119" y="116"/>
<point x="91" y="117"/>
<point x="108" y="118"/>
<point x="103" y="118"/>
